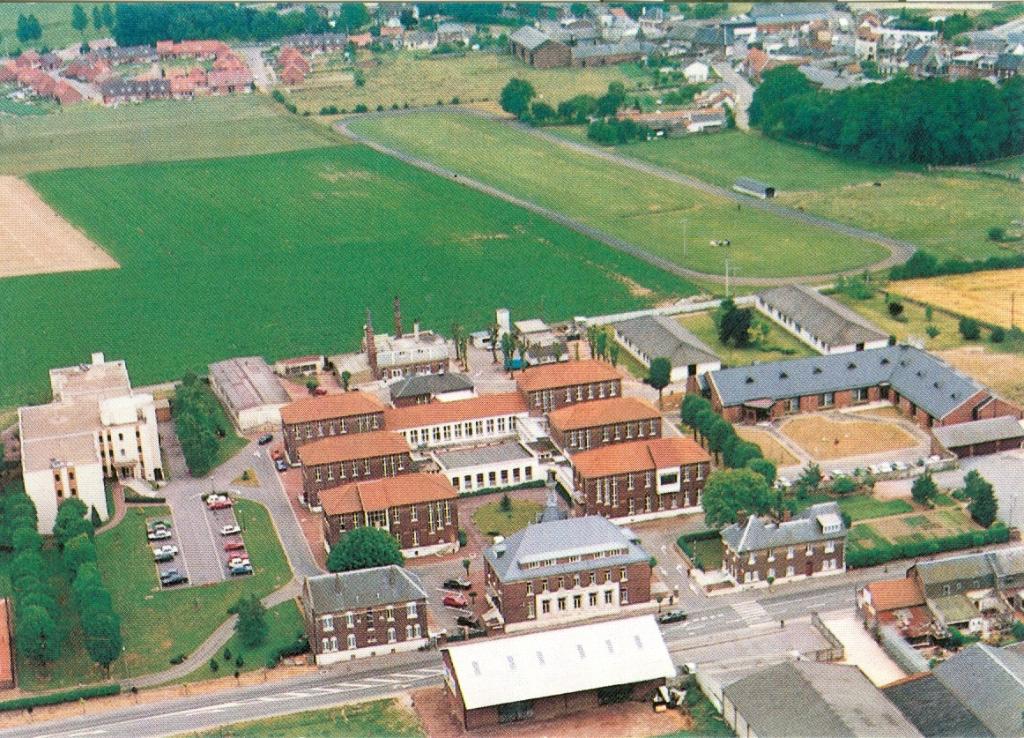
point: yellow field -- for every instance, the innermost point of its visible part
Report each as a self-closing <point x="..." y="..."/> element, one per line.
<point x="986" y="296"/>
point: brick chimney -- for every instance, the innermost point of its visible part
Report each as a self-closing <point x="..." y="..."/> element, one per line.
<point x="396" y="307"/>
<point x="370" y="345"/>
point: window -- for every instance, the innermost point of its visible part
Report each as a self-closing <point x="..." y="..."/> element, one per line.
<point x="328" y="622"/>
<point x="489" y="425"/>
<point x="592" y="599"/>
<point x="576" y="580"/>
<point x="350" y="620"/>
<point x="629" y="481"/>
<point x="561" y="582"/>
<point x="623" y="596"/>
<point x="789" y="571"/>
<point x="413" y="517"/>
<point x="329" y="644"/>
<point x="390" y="612"/>
<point x="351" y="640"/>
<point x="827" y="399"/>
<point x="608" y="576"/>
<point x="561" y="604"/>
<point x="830" y="547"/>
<point x="530" y="612"/>
<point x="609" y="596"/>
<point x="577" y="602"/>
<point x="623" y="577"/>
<point x="408" y="632"/>
<point x="631" y="506"/>
<point x="529" y="588"/>
<point x="789" y="552"/>
<point x="543" y="585"/>
<point x="860" y="394"/>
<point x="391" y="635"/>
<point x="545" y="606"/>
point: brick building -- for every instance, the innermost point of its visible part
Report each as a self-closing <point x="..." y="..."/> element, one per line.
<point x="538" y="49"/>
<point x="922" y="386"/>
<point x="404" y="354"/>
<point x="354" y="457"/>
<point x="475" y="420"/>
<point x="641" y="479"/>
<point x="550" y="386"/>
<point x="364" y="613"/>
<point x="812" y="543"/>
<point x="566" y="570"/>
<point x="313" y="418"/>
<point x="417" y="509"/>
<point x="602" y="422"/>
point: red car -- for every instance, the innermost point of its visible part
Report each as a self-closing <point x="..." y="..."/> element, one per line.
<point x="455" y="600"/>
<point x="319" y="391"/>
<point x="220" y="504"/>
<point x="277" y="453"/>
<point x="234" y="546"/>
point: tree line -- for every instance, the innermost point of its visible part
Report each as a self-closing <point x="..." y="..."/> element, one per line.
<point x="147" y="23"/>
<point x="924" y="264"/>
<point x="904" y="121"/>
<point x="197" y="422"/>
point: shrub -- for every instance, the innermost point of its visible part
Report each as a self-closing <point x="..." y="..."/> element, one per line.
<point x="970" y="329"/>
<point x="997" y="234"/>
<point x="239" y="662"/>
<point x="932" y="331"/>
<point x="329" y="110"/>
<point x="463" y="538"/>
<point x="360" y="108"/>
<point x="214" y="665"/>
<point x="227" y="654"/>
<point x="895" y="309"/>
<point x="844" y="485"/>
<point x="55" y="698"/>
<point x="175" y="660"/>
<point x="997" y="334"/>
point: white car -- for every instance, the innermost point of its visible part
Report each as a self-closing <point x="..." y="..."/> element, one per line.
<point x="159" y="534"/>
<point x="230" y="530"/>
<point x="168" y="549"/>
<point x="238" y="561"/>
<point x="900" y="466"/>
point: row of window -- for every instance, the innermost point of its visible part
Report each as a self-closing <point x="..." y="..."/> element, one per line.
<point x="830" y="547"/>
<point x="577" y="580"/>
<point x="468" y="429"/>
<point x="336" y="427"/>
<point x="638" y="429"/>
<point x="518" y="474"/>
<point x="545" y="399"/>
<point x="329" y="644"/>
<point x="575" y="559"/>
<point x="755" y="575"/>
<point x="562" y="603"/>
<point x="351" y="618"/>
<point x="439" y="514"/>
<point x="326" y="472"/>
<point x="828" y="399"/>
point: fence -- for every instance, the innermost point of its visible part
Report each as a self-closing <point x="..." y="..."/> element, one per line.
<point x="835" y="652"/>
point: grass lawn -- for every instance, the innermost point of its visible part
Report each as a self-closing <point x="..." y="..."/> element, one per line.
<point x="863" y="507"/>
<point x="490" y="519"/>
<point x="400" y="77"/>
<point x="631" y="364"/>
<point x="1013" y="165"/>
<point x="55" y="20"/>
<point x="162" y="130"/>
<point x="153" y="621"/>
<point x="269" y="255"/>
<point x="947" y="213"/>
<point x="939" y="523"/>
<point x="644" y="210"/>
<point x="380" y="718"/>
<point x="18" y="108"/>
<point x="709" y="552"/>
<point x="781" y="344"/>
<point x="912" y="324"/>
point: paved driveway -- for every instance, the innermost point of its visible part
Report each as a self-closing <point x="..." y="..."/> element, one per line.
<point x="1005" y="471"/>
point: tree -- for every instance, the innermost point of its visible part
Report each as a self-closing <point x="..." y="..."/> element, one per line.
<point x="346" y="378"/>
<point x="541" y="112"/>
<point x="730" y="490"/>
<point x="808" y="481"/>
<point x="983" y="505"/>
<point x="516" y="96"/>
<point x="970" y="329"/>
<point x="733" y="323"/>
<point x="692" y="405"/>
<point x="924" y="489"/>
<point x="740" y="453"/>
<point x="869" y="68"/>
<point x="506" y="503"/>
<point x="363" y="548"/>
<point x="613" y="353"/>
<point x="77" y="551"/>
<point x="659" y="375"/>
<point x="844" y="485"/>
<point x="997" y="234"/>
<point x="79" y="20"/>
<point x="36" y="635"/>
<point x="895" y="309"/>
<point x="97" y="17"/>
<point x="609" y="103"/>
<point x="354" y="16"/>
<point x="69" y="520"/>
<point x="764" y="467"/>
<point x="94" y="518"/>
<point x="251" y="625"/>
<point x="719" y="433"/>
<point x="108" y="16"/>
<point x="103" y="641"/>
<point x="492" y="334"/>
<point x="997" y="334"/>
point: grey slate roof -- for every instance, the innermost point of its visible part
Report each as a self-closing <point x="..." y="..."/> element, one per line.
<point x="968" y="566"/>
<point x="934" y="710"/>
<point x="430" y="384"/>
<point x="990" y="683"/>
<point x="461" y="458"/>
<point x="597" y="50"/>
<point x="560" y="539"/>
<point x="382" y="585"/>
<point x="757" y="535"/>
<point x="979" y="431"/>
<point x="1010" y="62"/>
<point x="751" y="184"/>
<point x="529" y="37"/>
<point x="828" y="320"/>
<point x="807" y="699"/>
<point x="658" y="335"/>
<point x="925" y="380"/>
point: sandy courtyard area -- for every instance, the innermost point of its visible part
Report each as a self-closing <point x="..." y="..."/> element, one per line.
<point x="36" y="240"/>
<point x="824" y="437"/>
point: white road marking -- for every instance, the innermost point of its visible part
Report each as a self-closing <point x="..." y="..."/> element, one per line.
<point x="94" y="731"/>
<point x="381" y="680"/>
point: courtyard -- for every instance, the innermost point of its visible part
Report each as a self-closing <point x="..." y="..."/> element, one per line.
<point x="833" y="436"/>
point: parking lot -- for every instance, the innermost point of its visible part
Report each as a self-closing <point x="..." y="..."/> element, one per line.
<point x="162" y="535"/>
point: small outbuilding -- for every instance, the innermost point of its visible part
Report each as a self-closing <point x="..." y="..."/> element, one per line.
<point x="980" y="437"/>
<point x="754" y="188"/>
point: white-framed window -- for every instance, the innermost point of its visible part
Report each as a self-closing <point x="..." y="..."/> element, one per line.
<point x="789" y="571"/>
<point x="830" y="547"/>
<point x="623" y="576"/>
<point x="390" y="613"/>
<point x="530" y="610"/>
<point x="609" y="596"/>
<point x="392" y="636"/>
<point x="410" y="610"/>
<point x="350" y="620"/>
<point x="327" y="621"/>
<point x="545" y="606"/>
<point x="790" y="552"/>
<point x="351" y="641"/>
<point x="408" y="632"/>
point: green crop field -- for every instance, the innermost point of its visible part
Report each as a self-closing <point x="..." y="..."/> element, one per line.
<point x="417" y="79"/>
<point x="55" y="19"/>
<point x="280" y="255"/>
<point x="89" y="136"/>
<point x="947" y="213"/>
<point x="644" y="210"/>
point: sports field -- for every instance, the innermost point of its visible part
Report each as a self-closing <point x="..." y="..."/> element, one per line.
<point x="644" y="210"/>
<point x="280" y="254"/>
<point x="987" y="296"/>
<point x="947" y="213"/>
<point x="90" y="136"/>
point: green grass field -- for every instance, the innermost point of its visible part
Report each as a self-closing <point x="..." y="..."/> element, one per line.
<point x="55" y="19"/>
<point x="780" y="345"/>
<point x="864" y="507"/>
<point x="912" y="324"/>
<point x="710" y="553"/>
<point x="490" y="519"/>
<point x="947" y="213"/>
<point x="1013" y="165"/>
<point x="380" y="718"/>
<point x="644" y="210"/>
<point x="400" y="77"/>
<point x="91" y="136"/>
<point x="279" y="255"/>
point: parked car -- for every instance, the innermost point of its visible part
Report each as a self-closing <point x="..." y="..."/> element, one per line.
<point x="277" y="453"/>
<point x="234" y="546"/>
<point x="220" y="504"/>
<point x="672" y="616"/>
<point x="280" y="465"/>
<point x="240" y="570"/>
<point x="319" y="391"/>
<point x="467" y="621"/>
<point x="172" y="577"/>
<point x="900" y="466"/>
<point x="455" y="600"/>
<point x="238" y="561"/>
<point x="160" y="534"/>
<point x="160" y="524"/>
<point x="230" y="530"/>
<point x="457" y="584"/>
<point x="167" y="549"/>
<point x="215" y="497"/>
<point x="265" y="439"/>
<point x="163" y="557"/>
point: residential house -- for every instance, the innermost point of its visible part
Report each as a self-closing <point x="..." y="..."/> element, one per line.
<point x="642" y="479"/>
<point x="759" y="551"/>
<point x="423" y="389"/>
<point x="696" y="72"/>
<point x="313" y="418"/>
<point x="482" y="419"/>
<point x="498" y="466"/>
<point x="337" y="460"/>
<point x="453" y="33"/>
<point x="897" y="603"/>
<point x="418" y="509"/>
<point x="653" y="336"/>
<point x="317" y="42"/>
<point x="819" y="321"/>
<point x="203" y="49"/>
<point x="116" y="90"/>
<point x="677" y="122"/>
<point x="551" y="386"/>
<point x="419" y="40"/>
<point x="600" y="55"/>
<point x="566" y="570"/>
<point x="362" y="613"/>
<point x="404" y="355"/>
<point x="576" y="428"/>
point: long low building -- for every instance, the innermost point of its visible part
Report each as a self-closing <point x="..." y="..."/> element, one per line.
<point x="552" y="673"/>
<point x="819" y="321"/>
<point x="488" y="467"/>
<point x="980" y="437"/>
<point x="250" y="392"/>
<point x="653" y="336"/>
<point x="602" y="422"/>
<point x="474" y="420"/>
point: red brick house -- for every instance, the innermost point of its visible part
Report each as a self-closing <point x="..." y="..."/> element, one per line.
<point x="313" y="418"/>
<point x="418" y="509"/>
<point x="363" y="613"/>
<point x="897" y="603"/>
<point x="536" y="48"/>
<point x="292" y="75"/>
<point x="354" y="457"/>
<point x="593" y="424"/>
<point x="548" y="387"/>
<point x="640" y="480"/>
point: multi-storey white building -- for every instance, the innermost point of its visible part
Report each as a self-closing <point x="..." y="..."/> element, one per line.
<point x="95" y="428"/>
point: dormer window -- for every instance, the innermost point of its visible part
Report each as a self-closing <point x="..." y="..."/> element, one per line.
<point x="750" y="380"/>
<point x="817" y="370"/>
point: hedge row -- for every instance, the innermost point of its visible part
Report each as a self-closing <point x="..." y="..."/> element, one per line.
<point x="532" y="484"/>
<point x="923" y="264"/>
<point x="56" y="698"/>
<point x="299" y="646"/>
<point x="860" y="557"/>
<point x="135" y="498"/>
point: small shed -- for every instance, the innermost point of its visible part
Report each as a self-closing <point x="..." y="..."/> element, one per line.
<point x="754" y="188"/>
<point x="980" y="437"/>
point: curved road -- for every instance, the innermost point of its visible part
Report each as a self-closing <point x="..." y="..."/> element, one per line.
<point x="899" y="251"/>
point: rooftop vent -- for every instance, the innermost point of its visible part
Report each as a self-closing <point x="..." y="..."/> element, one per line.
<point x="885" y="361"/>
<point x="851" y="365"/>
<point x="935" y="385"/>
<point x="920" y="373"/>
<point x="750" y="380"/>
<point x="817" y="370"/>
<point x="783" y="375"/>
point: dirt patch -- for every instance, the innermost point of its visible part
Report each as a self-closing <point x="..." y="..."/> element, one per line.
<point x="892" y="489"/>
<point x="769" y="445"/>
<point x="824" y="437"/>
<point x="1002" y="372"/>
<point x="333" y="175"/>
<point x="34" y="239"/>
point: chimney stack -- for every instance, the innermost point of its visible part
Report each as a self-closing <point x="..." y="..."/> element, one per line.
<point x="371" y="345"/>
<point x="741" y="517"/>
<point x="397" y="308"/>
<point x="337" y="584"/>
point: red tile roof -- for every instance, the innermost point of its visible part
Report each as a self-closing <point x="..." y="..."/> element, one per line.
<point x="380" y="494"/>
<point x="485" y="406"/>
<point x="636" y="456"/>
<point x="353" y="446"/>
<point x="894" y="594"/>
<point x="553" y="376"/>
<point x="66" y="94"/>
<point x="602" y="412"/>
<point x="344" y="405"/>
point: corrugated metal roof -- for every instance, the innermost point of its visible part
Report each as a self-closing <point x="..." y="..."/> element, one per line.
<point x="826" y="319"/>
<point x="1003" y="428"/>
<point x="529" y="37"/>
<point x="463" y="457"/>
<point x="934" y="709"/>
<point x="990" y="682"/>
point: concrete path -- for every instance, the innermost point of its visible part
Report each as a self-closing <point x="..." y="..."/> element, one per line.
<point x="744" y="92"/>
